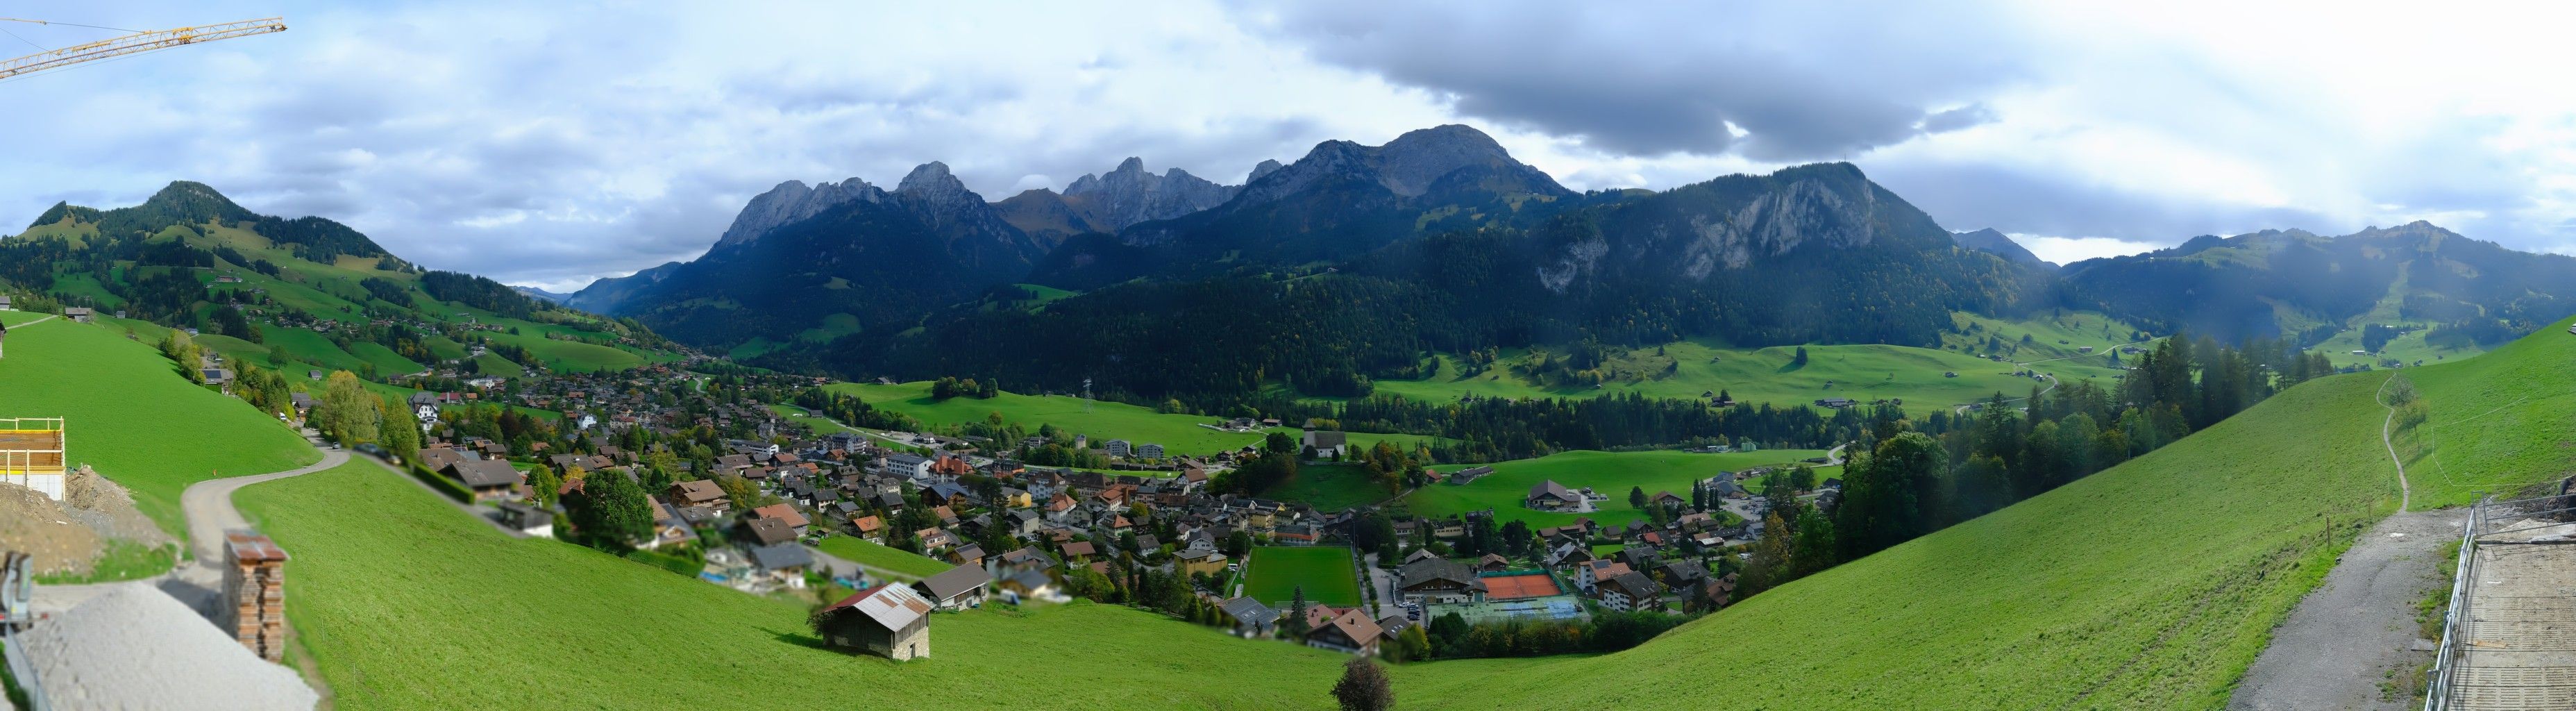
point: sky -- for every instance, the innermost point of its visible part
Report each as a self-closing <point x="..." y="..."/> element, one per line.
<point x="551" y="144"/>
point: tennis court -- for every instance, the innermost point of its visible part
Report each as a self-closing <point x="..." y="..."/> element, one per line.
<point x="1501" y="587"/>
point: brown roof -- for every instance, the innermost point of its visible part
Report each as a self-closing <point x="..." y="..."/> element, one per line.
<point x="1356" y="625"/>
<point x="893" y="607"/>
<point x="699" y="491"/>
<point x="782" y="512"/>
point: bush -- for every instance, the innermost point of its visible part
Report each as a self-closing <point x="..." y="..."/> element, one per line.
<point x="452" y="488"/>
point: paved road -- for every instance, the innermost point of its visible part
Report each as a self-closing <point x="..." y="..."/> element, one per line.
<point x="2352" y="632"/>
<point x="2358" y="628"/>
<point x="209" y="507"/>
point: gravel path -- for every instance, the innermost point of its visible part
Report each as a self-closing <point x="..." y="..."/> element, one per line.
<point x="134" y="648"/>
<point x="2346" y="637"/>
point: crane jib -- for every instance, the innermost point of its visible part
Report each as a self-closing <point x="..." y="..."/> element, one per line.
<point x="137" y="43"/>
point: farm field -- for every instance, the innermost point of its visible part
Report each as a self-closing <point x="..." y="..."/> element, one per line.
<point x="2496" y="423"/>
<point x="1180" y="434"/>
<point x="1275" y="574"/>
<point x="1608" y="473"/>
<point x="864" y="553"/>
<point x="395" y="601"/>
<point x="129" y="414"/>
<point x="1859" y="372"/>
<point x="2151" y="585"/>
<point x="1329" y="487"/>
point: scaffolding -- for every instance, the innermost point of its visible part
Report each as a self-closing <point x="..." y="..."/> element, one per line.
<point x="31" y="454"/>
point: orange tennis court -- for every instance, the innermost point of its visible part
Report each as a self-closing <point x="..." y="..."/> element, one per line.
<point x="1517" y="586"/>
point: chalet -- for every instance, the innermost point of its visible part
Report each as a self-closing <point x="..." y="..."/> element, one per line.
<point x="891" y="621"/>
<point x="1667" y="498"/>
<point x="1493" y="562"/>
<point x="1351" y="631"/>
<point x="1836" y="402"/>
<point x="437" y="458"/>
<point x="969" y="555"/>
<point x="1438" y="580"/>
<point x="959" y="588"/>
<point x="668" y="528"/>
<point x="491" y="480"/>
<point x="870" y="528"/>
<point x="81" y="314"/>
<point x="1629" y="591"/>
<point x="702" y="493"/>
<point x="1078" y="551"/>
<point x="1551" y="496"/>
<point x="785" y="514"/>
<point x="769" y="531"/>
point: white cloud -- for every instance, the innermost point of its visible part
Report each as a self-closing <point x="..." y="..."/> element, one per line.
<point x="552" y="143"/>
<point x="2069" y="250"/>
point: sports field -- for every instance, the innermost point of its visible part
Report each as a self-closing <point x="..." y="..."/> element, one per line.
<point x="1516" y="587"/>
<point x="1324" y="572"/>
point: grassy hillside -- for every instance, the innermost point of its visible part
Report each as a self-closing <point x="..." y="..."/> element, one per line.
<point x="869" y="554"/>
<point x="130" y="415"/>
<point x="1102" y="420"/>
<point x="404" y="603"/>
<point x="2497" y="422"/>
<point x="2151" y="585"/>
<point x="1688" y="368"/>
<point x="1611" y="473"/>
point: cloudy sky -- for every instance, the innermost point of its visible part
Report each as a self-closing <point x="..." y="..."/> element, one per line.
<point x="550" y="144"/>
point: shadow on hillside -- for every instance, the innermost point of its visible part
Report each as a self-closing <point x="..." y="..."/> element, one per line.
<point x="805" y="639"/>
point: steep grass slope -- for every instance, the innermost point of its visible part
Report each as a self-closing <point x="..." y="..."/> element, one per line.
<point x="129" y="414"/>
<point x="2151" y="585"/>
<point x="404" y="603"/>
<point x="2497" y="422"/>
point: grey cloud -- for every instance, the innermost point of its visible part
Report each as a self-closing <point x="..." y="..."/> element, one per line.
<point x="1974" y="196"/>
<point x="1801" y="81"/>
<point x="1968" y="116"/>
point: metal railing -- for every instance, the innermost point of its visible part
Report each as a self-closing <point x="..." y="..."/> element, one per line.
<point x="2486" y="512"/>
<point x="2437" y="693"/>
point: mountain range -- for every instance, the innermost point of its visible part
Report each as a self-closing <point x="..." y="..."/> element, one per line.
<point x="1353" y="262"/>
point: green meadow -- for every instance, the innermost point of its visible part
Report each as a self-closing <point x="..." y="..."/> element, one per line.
<point x="864" y="553"/>
<point x="1608" y="473"/>
<point x="129" y="414"/>
<point x="402" y="602"/>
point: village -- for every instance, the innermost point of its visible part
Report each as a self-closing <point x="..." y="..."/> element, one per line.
<point x="898" y="525"/>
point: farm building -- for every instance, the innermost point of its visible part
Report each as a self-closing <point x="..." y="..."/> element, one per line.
<point x="890" y="621"/>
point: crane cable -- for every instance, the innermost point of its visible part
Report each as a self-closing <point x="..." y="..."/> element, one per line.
<point x="66" y="24"/>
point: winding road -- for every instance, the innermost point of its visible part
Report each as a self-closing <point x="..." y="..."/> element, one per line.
<point x="2357" y="630"/>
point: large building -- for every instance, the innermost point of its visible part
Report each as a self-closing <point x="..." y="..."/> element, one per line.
<point x="31" y="454"/>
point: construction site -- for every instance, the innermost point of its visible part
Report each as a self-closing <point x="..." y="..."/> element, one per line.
<point x="2509" y="637"/>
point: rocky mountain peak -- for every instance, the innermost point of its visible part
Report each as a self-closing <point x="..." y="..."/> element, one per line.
<point x="1266" y="167"/>
<point x="929" y="178"/>
<point x="1129" y="195"/>
<point x="792" y="201"/>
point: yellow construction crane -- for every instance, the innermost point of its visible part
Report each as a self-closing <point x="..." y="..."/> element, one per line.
<point x="136" y="43"/>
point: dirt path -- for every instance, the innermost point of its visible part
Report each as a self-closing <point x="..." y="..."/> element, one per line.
<point x="2357" y="631"/>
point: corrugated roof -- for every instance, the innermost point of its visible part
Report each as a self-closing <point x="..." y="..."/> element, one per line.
<point x="891" y="606"/>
